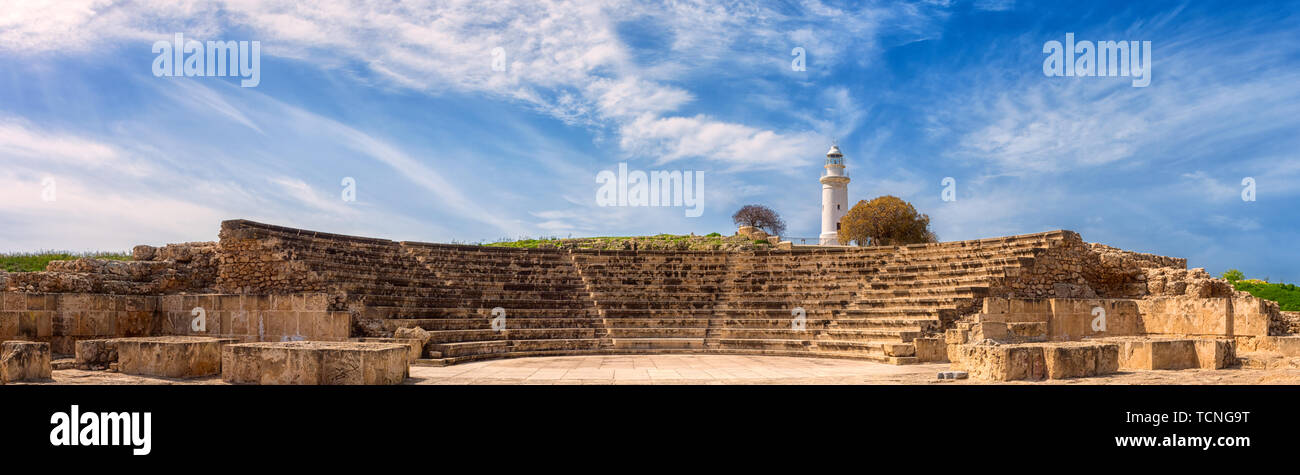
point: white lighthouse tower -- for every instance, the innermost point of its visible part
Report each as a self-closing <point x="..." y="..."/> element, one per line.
<point x="835" y="196"/>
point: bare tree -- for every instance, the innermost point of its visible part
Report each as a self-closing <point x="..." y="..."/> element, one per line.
<point x="761" y="217"/>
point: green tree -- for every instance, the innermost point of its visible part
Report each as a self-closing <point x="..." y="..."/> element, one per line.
<point x="885" y="221"/>
<point x="1233" y="275"/>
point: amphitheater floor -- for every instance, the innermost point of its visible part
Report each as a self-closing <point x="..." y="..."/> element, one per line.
<point x="714" y="369"/>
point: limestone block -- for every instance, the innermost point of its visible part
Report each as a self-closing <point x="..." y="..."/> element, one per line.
<point x="1002" y="362"/>
<point x="1107" y="358"/>
<point x="1149" y="354"/>
<point x="96" y="353"/>
<point x="24" y="360"/>
<point x="1215" y="353"/>
<point x="1286" y="345"/>
<point x="8" y="325"/>
<point x="1250" y="316"/>
<point x="989" y="331"/>
<point x="1070" y="360"/>
<point x="931" y="349"/>
<point x="315" y="362"/>
<point x="995" y="305"/>
<point x="170" y="356"/>
<point x="898" y="349"/>
<point x="956" y="337"/>
<point x="414" y="332"/>
<point x="1027" y="330"/>
<point x="1075" y="319"/>
<point x="416" y="345"/>
<point x="1186" y="316"/>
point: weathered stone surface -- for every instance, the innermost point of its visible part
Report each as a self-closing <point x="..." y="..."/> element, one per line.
<point x="1153" y="354"/>
<point x="989" y="331"/>
<point x="417" y="333"/>
<point x="1075" y="319"/>
<point x="956" y="337"/>
<point x="1070" y="360"/>
<point x="308" y="362"/>
<point x="170" y="356"/>
<point x="1027" y="331"/>
<point x="1253" y="316"/>
<point x="1107" y="358"/>
<point x="931" y="350"/>
<point x="899" y="349"/>
<point x="1215" y="353"/>
<point x="1000" y="362"/>
<point x="96" y="354"/>
<point x="1186" y="316"/>
<point x="24" y="361"/>
<point x="416" y="345"/>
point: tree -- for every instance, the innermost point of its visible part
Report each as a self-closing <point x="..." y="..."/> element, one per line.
<point x="760" y="217"/>
<point x="885" y="221"/>
<point x="1233" y="275"/>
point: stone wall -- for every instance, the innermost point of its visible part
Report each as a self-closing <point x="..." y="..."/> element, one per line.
<point x="1072" y="319"/>
<point x="1190" y="282"/>
<point x="254" y="318"/>
<point x="254" y="259"/>
<point x="1068" y="267"/>
<point x="185" y="267"/>
<point x="63" y="319"/>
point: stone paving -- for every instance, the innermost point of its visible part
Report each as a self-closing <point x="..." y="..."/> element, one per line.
<point x="672" y="369"/>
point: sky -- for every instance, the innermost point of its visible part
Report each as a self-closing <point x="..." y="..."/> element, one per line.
<point x="476" y="120"/>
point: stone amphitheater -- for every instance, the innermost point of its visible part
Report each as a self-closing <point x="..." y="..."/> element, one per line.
<point x="275" y="305"/>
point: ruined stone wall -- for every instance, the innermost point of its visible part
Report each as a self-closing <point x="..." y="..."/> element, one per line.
<point x="185" y="267"/>
<point x="1058" y="268"/>
<point x="1068" y="267"/>
<point x="255" y="260"/>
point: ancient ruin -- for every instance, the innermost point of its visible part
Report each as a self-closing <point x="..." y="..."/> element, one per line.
<point x="275" y="305"/>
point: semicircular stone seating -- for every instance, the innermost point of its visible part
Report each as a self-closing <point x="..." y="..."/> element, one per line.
<point x="867" y="303"/>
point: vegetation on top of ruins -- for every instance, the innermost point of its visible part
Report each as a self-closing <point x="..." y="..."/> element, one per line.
<point x="760" y="217"/>
<point x="1233" y="275"/>
<point x="713" y="241"/>
<point x="1287" y="296"/>
<point x="36" y="261"/>
<point x="885" y="221"/>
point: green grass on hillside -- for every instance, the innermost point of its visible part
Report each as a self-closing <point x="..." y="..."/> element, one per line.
<point x="36" y="261"/>
<point x="1286" y="295"/>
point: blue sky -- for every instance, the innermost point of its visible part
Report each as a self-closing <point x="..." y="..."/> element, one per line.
<point x="404" y="99"/>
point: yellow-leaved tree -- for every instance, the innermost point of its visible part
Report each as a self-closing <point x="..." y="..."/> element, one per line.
<point x="885" y="221"/>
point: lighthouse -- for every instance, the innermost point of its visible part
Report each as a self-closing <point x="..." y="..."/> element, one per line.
<point x="835" y="196"/>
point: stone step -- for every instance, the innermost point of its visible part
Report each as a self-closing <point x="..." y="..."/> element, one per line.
<point x="658" y="343"/>
<point x="452" y="312"/>
<point x="438" y="324"/>
<point x="451" y="336"/>
<point x="625" y="333"/>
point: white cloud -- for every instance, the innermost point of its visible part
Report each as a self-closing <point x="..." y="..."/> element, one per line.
<point x="563" y="58"/>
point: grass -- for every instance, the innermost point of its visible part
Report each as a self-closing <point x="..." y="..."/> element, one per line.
<point x="658" y="241"/>
<point x="36" y="261"/>
<point x="1287" y="296"/>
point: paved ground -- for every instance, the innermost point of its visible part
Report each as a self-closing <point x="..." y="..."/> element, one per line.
<point x="673" y="369"/>
<point x="716" y="369"/>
